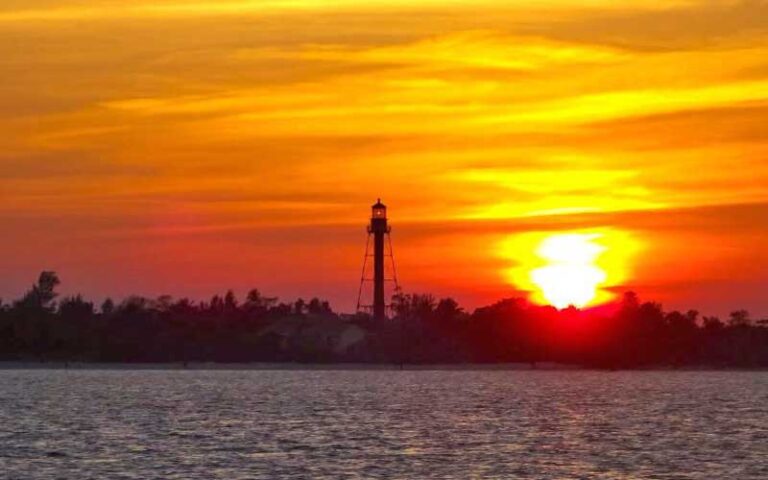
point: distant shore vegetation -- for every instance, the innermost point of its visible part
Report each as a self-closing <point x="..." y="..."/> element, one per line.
<point x="41" y="327"/>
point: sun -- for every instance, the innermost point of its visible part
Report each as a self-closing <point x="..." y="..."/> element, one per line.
<point x="579" y="268"/>
<point x="570" y="276"/>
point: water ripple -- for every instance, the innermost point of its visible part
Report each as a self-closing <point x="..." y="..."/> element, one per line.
<point x="177" y="424"/>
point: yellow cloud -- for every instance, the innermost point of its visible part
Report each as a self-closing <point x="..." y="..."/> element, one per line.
<point x="462" y="49"/>
<point x="99" y="10"/>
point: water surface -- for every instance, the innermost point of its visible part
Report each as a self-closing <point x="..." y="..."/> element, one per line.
<point x="251" y="424"/>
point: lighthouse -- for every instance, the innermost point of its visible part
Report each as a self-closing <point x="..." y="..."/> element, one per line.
<point x="382" y="249"/>
<point x="378" y="228"/>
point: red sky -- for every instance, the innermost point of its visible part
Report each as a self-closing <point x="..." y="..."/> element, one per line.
<point x="187" y="148"/>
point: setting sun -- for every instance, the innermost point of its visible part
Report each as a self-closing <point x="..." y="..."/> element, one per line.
<point x="571" y="276"/>
<point x="578" y="268"/>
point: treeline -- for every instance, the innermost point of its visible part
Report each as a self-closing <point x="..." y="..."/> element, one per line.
<point x="42" y="327"/>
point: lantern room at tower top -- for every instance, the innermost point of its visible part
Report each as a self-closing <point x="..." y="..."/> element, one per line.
<point x="378" y="210"/>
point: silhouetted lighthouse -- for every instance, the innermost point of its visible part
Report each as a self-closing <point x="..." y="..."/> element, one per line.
<point x="379" y="230"/>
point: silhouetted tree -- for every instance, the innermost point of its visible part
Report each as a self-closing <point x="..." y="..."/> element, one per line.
<point x="256" y="304"/>
<point x="712" y="324"/>
<point x="739" y="318"/>
<point x="216" y="306"/>
<point x="230" y="302"/>
<point x="281" y="310"/>
<point x="634" y="334"/>
<point x="42" y="294"/>
<point x="75" y="307"/>
<point x="108" y="307"/>
<point x="299" y="306"/>
<point x="163" y="303"/>
<point x="318" y="307"/>
<point x="413" y="306"/>
<point x="448" y="310"/>
<point x="133" y="305"/>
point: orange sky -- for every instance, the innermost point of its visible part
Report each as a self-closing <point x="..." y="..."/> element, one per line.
<point x="189" y="147"/>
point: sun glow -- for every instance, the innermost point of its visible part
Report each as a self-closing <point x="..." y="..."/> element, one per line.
<point x="571" y="276"/>
<point x="570" y="268"/>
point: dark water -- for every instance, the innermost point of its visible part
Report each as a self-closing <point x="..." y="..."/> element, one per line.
<point x="170" y="424"/>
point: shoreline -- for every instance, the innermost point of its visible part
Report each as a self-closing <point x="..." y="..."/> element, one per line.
<point x="296" y="366"/>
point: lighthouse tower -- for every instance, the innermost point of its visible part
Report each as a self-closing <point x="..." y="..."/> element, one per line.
<point x="380" y="231"/>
